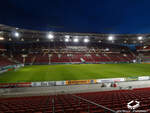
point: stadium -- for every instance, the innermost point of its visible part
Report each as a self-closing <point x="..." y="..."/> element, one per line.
<point x="68" y="71"/>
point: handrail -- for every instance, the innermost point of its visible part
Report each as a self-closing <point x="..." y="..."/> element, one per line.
<point x="53" y="103"/>
<point x="95" y="104"/>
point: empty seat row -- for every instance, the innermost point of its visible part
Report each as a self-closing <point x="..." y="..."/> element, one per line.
<point x="115" y="100"/>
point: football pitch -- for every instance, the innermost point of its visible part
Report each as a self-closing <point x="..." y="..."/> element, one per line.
<point x="74" y="72"/>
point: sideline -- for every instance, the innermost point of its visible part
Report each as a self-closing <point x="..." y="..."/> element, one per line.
<point x="54" y="90"/>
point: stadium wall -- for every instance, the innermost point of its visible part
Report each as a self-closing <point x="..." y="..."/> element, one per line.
<point x="72" y="82"/>
<point x="57" y="63"/>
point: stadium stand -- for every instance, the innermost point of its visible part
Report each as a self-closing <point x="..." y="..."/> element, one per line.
<point x="5" y="61"/>
<point x="75" y="57"/>
<point x="58" y="52"/>
<point x="143" y="53"/>
<point x="93" y="102"/>
<point x="70" y="54"/>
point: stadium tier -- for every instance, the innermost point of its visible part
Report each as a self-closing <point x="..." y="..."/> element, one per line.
<point x="68" y="54"/>
<point x="107" y="102"/>
<point x="71" y="57"/>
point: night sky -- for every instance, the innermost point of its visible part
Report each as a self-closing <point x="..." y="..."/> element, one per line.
<point x="98" y="16"/>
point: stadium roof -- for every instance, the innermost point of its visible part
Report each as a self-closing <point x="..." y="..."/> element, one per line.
<point x="32" y="35"/>
<point x="98" y="16"/>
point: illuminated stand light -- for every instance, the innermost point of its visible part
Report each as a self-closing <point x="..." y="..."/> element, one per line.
<point x="134" y="61"/>
<point x="141" y="41"/>
<point x="9" y="39"/>
<point x="107" y="49"/>
<point x="86" y="40"/>
<point x="125" y="41"/>
<point x="67" y="38"/>
<point x="76" y="40"/>
<point x="22" y="39"/>
<point x="124" y="55"/>
<point x="1" y="38"/>
<point x="50" y="36"/>
<point x="38" y="40"/>
<point x="99" y="41"/>
<point x="140" y="38"/>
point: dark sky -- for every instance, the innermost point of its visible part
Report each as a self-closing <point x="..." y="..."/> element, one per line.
<point x="100" y="16"/>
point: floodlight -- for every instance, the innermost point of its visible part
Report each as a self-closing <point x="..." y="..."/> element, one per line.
<point x="86" y="40"/>
<point x="140" y="38"/>
<point x="50" y="36"/>
<point x="76" y="40"/>
<point x="110" y="38"/>
<point x="16" y="34"/>
<point x="66" y="40"/>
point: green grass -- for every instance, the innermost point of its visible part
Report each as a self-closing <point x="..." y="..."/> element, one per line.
<point x="74" y="72"/>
